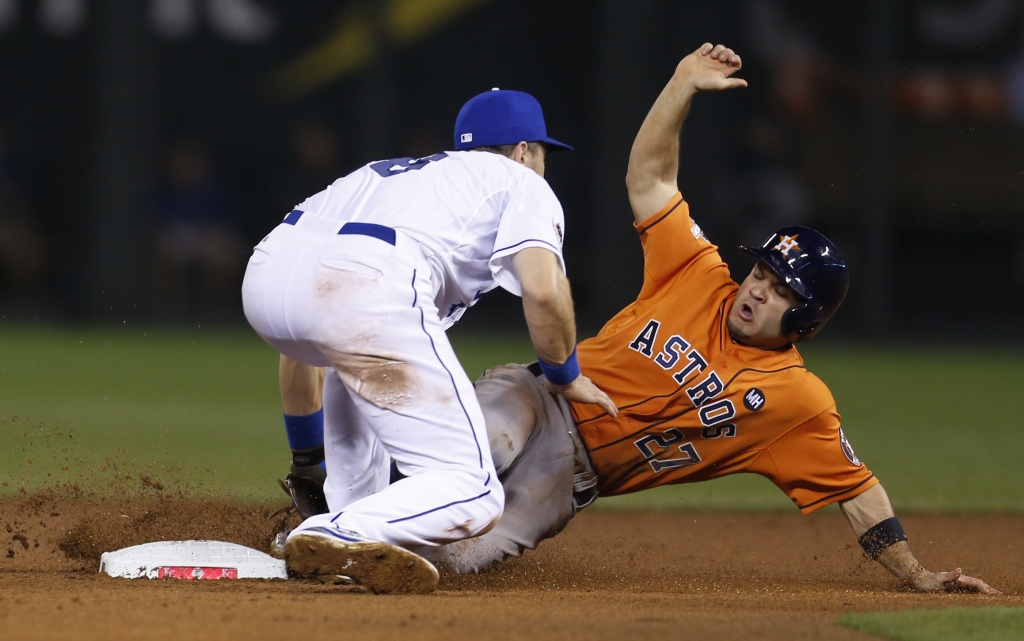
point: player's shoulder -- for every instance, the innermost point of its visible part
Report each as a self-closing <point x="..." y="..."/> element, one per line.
<point x="812" y="384"/>
<point x="489" y="166"/>
<point x="789" y="398"/>
<point x="786" y="370"/>
<point x="809" y="391"/>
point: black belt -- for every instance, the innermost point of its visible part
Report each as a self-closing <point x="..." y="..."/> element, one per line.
<point x="380" y="232"/>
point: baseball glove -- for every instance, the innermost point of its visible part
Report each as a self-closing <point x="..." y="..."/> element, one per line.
<point x="307" y="494"/>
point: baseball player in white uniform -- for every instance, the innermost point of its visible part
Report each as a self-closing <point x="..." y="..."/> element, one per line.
<point x="363" y="279"/>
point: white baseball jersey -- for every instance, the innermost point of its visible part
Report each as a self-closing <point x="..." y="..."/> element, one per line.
<point x="470" y="211"/>
<point x="364" y="278"/>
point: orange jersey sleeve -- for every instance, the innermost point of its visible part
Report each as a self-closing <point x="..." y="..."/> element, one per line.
<point x="693" y="404"/>
<point x="814" y="464"/>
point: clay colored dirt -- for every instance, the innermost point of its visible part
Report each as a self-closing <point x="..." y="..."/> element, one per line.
<point x="610" y="575"/>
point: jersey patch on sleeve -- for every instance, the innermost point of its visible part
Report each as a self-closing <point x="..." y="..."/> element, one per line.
<point x="848" y="449"/>
<point x="697" y="232"/>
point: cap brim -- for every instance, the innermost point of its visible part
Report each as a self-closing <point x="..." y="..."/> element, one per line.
<point x="555" y="145"/>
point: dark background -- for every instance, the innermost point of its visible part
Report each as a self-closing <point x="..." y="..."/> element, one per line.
<point x="894" y="127"/>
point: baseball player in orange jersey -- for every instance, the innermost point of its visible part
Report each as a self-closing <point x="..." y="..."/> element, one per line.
<point x="695" y="403"/>
<point x="704" y="373"/>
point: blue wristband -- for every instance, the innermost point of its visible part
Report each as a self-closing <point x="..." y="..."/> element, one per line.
<point x="562" y="374"/>
<point x="305" y="432"/>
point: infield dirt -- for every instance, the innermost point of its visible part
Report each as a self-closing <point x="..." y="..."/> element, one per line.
<point x="609" y="575"/>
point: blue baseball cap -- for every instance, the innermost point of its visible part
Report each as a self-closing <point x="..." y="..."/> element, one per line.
<point x="502" y="117"/>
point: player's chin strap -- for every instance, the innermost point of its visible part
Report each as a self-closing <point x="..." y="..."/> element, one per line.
<point x="881" y="536"/>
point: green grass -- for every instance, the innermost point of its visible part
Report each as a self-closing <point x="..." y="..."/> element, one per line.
<point x="949" y="624"/>
<point x="940" y="427"/>
<point x="201" y="405"/>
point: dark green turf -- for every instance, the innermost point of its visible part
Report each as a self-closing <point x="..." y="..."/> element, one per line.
<point x="947" y="624"/>
<point x="201" y="406"/>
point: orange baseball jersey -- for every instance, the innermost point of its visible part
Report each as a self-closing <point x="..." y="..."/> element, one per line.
<point x="693" y="404"/>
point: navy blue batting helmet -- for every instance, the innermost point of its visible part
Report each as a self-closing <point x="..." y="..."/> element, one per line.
<point x="813" y="267"/>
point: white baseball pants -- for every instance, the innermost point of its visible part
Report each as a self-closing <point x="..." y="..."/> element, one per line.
<point x="365" y="308"/>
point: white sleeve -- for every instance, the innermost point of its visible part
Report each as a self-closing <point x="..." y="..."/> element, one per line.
<point x="533" y="217"/>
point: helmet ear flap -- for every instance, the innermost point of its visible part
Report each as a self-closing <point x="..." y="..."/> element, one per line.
<point x="800" y="322"/>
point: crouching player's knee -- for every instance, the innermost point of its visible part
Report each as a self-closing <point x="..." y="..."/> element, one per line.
<point x="483" y="511"/>
<point x="494" y="505"/>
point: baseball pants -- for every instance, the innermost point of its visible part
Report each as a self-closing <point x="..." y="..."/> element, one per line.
<point x="365" y="308"/>
<point x="542" y="466"/>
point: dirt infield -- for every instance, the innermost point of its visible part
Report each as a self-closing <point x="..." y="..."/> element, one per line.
<point x="610" y="575"/>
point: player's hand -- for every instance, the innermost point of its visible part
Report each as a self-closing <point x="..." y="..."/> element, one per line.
<point x="955" y="581"/>
<point x="583" y="390"/>
<point x="710" y="68"/>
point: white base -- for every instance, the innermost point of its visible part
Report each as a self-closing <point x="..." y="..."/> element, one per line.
<point x="192" y="560"/>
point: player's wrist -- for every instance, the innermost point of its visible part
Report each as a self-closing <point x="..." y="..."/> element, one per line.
<point x="563" y="374"/>
<point x="881" y="536"/>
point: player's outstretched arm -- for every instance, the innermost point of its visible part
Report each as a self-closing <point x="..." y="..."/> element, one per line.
<point x="551" y="319"/>
<point x="873" y="521"/>
<point x="652" y="175"/>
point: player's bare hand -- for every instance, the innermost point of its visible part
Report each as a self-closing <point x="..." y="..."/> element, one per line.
<point x="710" y="68"/>
<point x="583" y="390"/>
<point x="955" y="581"/>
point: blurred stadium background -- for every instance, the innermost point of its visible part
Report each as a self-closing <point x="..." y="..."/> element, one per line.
<point x="146" y="145"/>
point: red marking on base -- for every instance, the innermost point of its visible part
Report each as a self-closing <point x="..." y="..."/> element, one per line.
<point x="192" y="572"/>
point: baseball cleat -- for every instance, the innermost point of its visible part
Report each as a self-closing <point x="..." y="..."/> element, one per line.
<point x="341" y="557"/>
<point x="278" y="542"/>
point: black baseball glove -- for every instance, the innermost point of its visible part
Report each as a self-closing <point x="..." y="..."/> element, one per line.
<point x="307" y="494"/>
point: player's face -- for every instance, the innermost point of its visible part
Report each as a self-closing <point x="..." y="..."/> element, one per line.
<point x="756" y="315"/>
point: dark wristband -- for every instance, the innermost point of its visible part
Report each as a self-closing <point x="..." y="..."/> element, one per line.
<point x="306" y="458"/>
<point x="881" y="535"/>
<point x="562" y="374"/>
